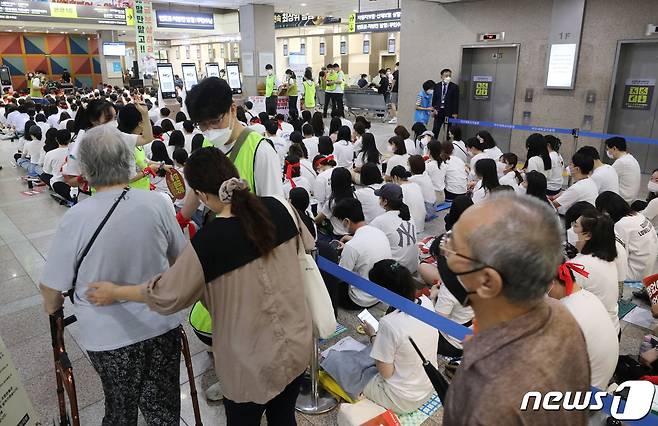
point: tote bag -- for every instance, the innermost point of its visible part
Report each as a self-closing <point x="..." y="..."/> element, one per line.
<point x="317" y="295"/>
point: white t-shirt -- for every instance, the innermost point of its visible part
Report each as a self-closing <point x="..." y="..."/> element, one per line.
<point x="368" y="246"/>
<point x="460" y="151"/>
<point x="412" y="196"/>
<point x="337" y="224"/>
<point x="638" y="236"/>
<point x="345" y="122"/>
<point x="651" y="212"/>
<point x="426" y="187"/>
<point x="397" y="160"/>
<point x="311" y="145"/>
<point x="322" y="186"/>
<point x="494" y="153"/>
<point x="401" y="236"/>
<point x="630" y="176"/>
<point x="448" y="306"/>
<point x="369" y="202"/>
<point x="286" y="130"/>
<point x="281" y="146"/>
<point x="258" y="128"/>
<point x="34" y="151"/>
<point x="437" y="174"/>
<point x="509" y="178"/>
<point x="410" y="146"/>
<point x="474" y="160"/>
<point x="582" y="190"/>
<point x="344" y="154"/>
<point x="479" y="193"/>
<point x="392" y="346"/>
<point x="359" y="159"/>
<point x="306" y="170"/>
<point x="621" y="261"/>
<point x="536" y="163"/>
<point x="456" y="176"/>
<point x="54" y="160"/>
<point x="600" y="335"/>
<point x="300" y="182"/>
<point x="602" y="282"/>
<point x="606" y="179"/>
<point x="555" y="178"/>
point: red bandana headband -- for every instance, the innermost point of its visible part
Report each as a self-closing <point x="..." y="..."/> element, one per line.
<point x="564" y="274"/>
<point x="289" y="168"/>
<point x="323" y="160"/>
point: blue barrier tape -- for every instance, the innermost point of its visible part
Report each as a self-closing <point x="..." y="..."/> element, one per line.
<point x="544" y="129"/>
<point x="437" y="321"/>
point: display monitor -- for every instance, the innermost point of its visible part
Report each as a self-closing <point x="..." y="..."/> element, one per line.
<point x="166" y="77"/>
<point x="233" y="77"/>
<point x="114" y="49"/>
<point x="189" y="76"/>
<point x="561" y="66"/>
<point x="5" y="76"/>
<point x="212" y="69"/>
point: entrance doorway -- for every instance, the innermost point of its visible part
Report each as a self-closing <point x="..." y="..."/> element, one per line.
<point x="633" y="110"/>
<point x="487" y="88"/>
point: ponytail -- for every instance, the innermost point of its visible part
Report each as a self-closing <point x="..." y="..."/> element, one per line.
<point x="401" y="207"/>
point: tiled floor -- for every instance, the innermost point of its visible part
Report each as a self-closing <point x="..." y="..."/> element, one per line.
<point x="27" y="225"/>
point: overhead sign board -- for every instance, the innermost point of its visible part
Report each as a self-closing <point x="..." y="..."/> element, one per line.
<point x="187" y="20"/>
<point x="291" y="20"/>
<point x="377" y="21"/>
<point x="30" y="10"/>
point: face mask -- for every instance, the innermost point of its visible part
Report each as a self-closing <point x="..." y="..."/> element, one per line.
<point x="652" y="186"/>
<point x="447" y="79"/>
<point x="390" y="148"/>
<point x="430" y="92"/>
<point x="270" y="72"/>
<point x="572" y="237"/>
<point x="504" y="166"/>
<point x="610" y="156"/>
<point x="568" y="170"/>
<point x="219" y="137"/>
<point x="452" y="282"/>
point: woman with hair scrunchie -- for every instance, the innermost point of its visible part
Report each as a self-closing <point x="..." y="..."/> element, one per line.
<point x="244" y="267"/>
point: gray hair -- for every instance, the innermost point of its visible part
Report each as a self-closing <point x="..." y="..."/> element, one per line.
<point x="523" y="243"/>
<point x="105" y="159"/>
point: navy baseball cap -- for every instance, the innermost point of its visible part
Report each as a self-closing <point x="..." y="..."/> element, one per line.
<point x="390" y="191"/>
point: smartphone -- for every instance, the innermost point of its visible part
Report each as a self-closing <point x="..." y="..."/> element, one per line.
<point x="367" y="317"/>
<point x="334" y="244"/>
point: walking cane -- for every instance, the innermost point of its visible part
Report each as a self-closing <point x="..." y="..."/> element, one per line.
<point x="185" y="348"/>
<point x="63" y="369"/>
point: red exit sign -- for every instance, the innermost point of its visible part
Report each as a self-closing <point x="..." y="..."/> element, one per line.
<point x="491" y="36"/>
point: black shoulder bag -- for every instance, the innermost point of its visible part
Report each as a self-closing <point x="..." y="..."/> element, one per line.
<point x="91" y="241"/>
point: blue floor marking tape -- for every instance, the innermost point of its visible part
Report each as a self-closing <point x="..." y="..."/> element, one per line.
<point x="435" y="320"/>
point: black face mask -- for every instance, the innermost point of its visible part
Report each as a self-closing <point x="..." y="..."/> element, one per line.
<point x="451" y="281"/>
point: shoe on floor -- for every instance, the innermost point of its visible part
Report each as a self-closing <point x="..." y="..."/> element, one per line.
<point x="214" y="392"/>
<point x="393" y="121"/>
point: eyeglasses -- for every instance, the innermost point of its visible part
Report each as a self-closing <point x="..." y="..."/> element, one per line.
<point x="445" y="251"/>
<point x="206" y="124"/>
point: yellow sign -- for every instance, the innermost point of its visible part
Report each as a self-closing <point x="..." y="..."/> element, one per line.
<point x="482" y="89"/>
<point x="61" y="10"/>
<point x="130" y="17"/>
<point x="351" y="22"/>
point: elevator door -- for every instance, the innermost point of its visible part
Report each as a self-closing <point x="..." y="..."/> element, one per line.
<point x="487" y="89"/>
<point x="636" y="75"/>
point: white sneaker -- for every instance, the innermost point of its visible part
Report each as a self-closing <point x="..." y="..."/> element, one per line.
<point x="214" y="392"/>
<point x="393" y="121"/>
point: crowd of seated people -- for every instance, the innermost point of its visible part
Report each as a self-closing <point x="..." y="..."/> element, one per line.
<point x="366" y="209"/>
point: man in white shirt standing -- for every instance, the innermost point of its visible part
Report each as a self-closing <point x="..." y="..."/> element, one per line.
<point x="604" y="175"/>
<point x="627" y="167"/>
<point x="583" y="188"/>
<point x="366" y="246"/>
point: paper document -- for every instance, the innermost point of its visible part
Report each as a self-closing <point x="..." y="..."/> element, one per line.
<point x="367" y="317"/>
<point x="345" y="344"/>
<point x="641" y="317"/>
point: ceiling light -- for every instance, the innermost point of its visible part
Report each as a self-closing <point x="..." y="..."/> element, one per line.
<point x="75" y="29"/>
<point x="61" y="32"/>
<point x="11" y="31"/>
<point x="302" y="4"/>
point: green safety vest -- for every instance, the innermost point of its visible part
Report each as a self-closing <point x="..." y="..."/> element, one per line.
<point x="242" y="155"/>
<point x="140" y="160"/>
<point x="269" y="85"/>
<point x="292" y="89"/>
<point x="342" y="77"/>
<point x="309" y="94"/>
<point x="331" y="82"/>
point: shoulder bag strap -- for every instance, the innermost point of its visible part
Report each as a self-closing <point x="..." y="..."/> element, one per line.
<point x="91" y="242"/>
<point x="238" y="144"/>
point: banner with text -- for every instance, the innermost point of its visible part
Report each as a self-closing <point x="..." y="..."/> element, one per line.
<point x="144" y="36"/>
<point x="638" y="94"/>
<point x="291" y="20"/>
<point x="377" y="21"/>
<point x="31" y="10"/>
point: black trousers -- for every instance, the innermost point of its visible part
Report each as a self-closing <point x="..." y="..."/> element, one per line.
<point x="292" y="107"/>
<point x="439" y="121"/>
<point x="339" y="105"/>
<point x="143" y="375"/>
<point x="270" y="104"/>
<point x="45" y="178"/>
<point x="63" y="190"/>
<point x="330" y="97"/>
<point x="446" y="349"/>
<point x="279" y="411"/>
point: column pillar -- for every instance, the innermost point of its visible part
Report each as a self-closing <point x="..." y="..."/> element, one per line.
<point x="256" y="36"/>
<point x="108" y="36"/>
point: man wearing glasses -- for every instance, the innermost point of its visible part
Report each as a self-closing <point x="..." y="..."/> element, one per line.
<point x="500" y="259"/>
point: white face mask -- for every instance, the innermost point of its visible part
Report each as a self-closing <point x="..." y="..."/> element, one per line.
<point x="219" y="137"/>
<point x="652" y="186"/>
<point x="610" y="156"/>
<point x="447" y="79"/>
<point x="430" y="92"/>
<point x="568" y="170"/>
<point x="270" y="72"/>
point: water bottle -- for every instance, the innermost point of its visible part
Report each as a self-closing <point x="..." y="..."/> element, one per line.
<point x="646" y="344"/>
